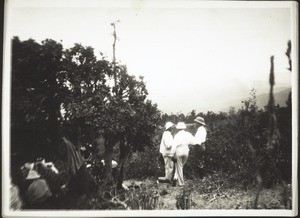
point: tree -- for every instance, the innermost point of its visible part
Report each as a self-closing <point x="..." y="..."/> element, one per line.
<point x="69" y="92"/>
<point x="83" y="78"/>
<point x="35" y="96"/>
<point x="191" y="116"/>
<point x="129" y="119"/>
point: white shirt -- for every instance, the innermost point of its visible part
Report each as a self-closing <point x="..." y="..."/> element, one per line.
<point x="200" y="136"/>
<point x="183" y="138"/>
<point x="166" y="143"/>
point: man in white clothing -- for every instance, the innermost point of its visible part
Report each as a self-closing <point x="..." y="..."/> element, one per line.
<point x="180" y="150"/>
<point x="200" y="136"/>
<point x="165" y="149"/>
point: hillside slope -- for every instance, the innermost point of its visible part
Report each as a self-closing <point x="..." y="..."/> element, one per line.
<point x="280" y="96"/>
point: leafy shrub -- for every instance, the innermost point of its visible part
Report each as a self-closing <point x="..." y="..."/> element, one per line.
<point x="183" y="200"/>
<point x="237" y="145"/>
<point x="141" y="198"/>
<point x="145" y="164"/>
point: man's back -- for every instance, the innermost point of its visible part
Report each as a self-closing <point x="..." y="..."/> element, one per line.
<point x="166" y="143"/>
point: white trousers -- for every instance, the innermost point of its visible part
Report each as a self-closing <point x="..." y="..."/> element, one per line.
<point x="182" y="153"/>
<point x="168" y="167"/>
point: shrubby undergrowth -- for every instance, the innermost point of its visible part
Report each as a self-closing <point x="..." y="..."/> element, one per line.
<point x="144" y="164"/>
<point x="232" y="139"/>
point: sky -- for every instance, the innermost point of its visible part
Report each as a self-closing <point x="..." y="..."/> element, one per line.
<point x="192" y="55"/>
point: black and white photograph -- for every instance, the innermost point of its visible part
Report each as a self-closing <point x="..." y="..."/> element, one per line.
<point x="149" y="108"/>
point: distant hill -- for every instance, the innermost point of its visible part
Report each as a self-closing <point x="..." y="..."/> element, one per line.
<point x="280" y="98"/>
<point x="226" y="100"/>
<point x="280" y="95"/>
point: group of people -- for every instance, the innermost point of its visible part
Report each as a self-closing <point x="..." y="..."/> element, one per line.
<point x="174" y="147"/>
<point x="40" y="182"/>
<point x="33" y="191"/>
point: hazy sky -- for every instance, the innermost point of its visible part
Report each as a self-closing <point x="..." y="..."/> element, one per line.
<point x="192" y="55"/>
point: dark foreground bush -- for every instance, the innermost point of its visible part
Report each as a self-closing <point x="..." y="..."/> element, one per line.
<point x="145" y="164"/>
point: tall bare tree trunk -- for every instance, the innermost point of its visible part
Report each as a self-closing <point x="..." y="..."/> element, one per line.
<point x="109" y="144"/>
<point x="124" y="151"/>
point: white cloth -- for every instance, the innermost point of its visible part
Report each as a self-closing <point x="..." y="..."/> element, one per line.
<point x="180" y="149"/>
<point x="49" y="165"/>
<point x="200" y="136"/>
<point x="168" y="167"/>
<point x="166" y="143"/>
<point x="183" y="139"/>
<point x="181" y="157"/>
<point x="114" y="164"/>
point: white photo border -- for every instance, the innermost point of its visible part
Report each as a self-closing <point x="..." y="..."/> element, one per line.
<point x="6" y="107"/>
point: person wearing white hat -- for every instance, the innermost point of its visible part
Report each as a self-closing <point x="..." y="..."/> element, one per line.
<point x="200" y="136"/>
<point x="180" y="150"/>
<point x="165" y="149"/>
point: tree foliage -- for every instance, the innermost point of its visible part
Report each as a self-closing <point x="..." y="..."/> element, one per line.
<point x="69" y="92"/>
<point x="35" y="95"/>
<point x="237" y="144"/>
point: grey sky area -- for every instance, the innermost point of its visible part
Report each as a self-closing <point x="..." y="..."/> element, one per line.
<point x="191" y="56"/>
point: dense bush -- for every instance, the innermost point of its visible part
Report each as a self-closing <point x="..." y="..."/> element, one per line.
<point x="237" y="145"/>
<point x="144" y="164"/>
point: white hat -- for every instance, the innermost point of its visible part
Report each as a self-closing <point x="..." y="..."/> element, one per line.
<point x="180" y="125"/>
<point x="169" y="124"/>
<point x="114" y="164"/>
<point x="199" y="120"/>
<point x="32" y="174"/>
<point x="29" y="166"/>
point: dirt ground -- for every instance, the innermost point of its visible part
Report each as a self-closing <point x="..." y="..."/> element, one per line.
<point x="208" y="193"/>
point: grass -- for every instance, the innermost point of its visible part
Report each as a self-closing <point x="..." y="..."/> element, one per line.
<point x="206" y="194"/>
<point x="214" y="191"/>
